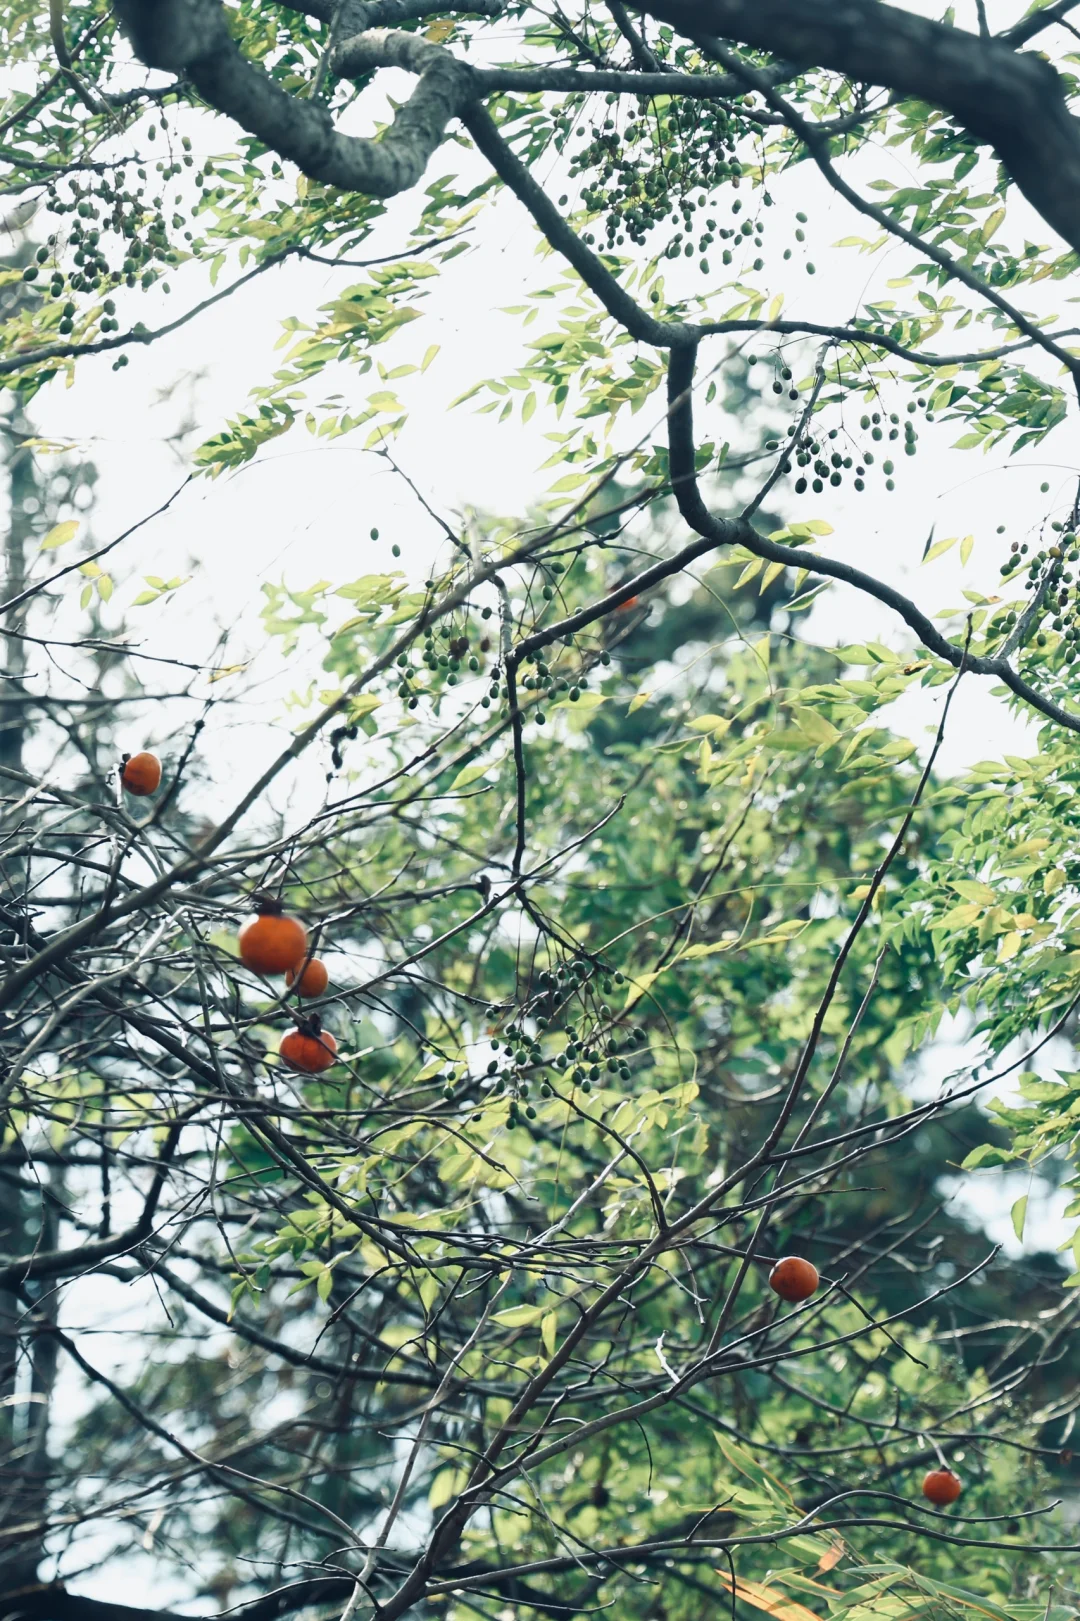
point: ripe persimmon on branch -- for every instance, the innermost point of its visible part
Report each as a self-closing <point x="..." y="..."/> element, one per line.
<point x="556" y="1132"/>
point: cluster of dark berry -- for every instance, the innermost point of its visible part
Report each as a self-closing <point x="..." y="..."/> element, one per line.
<point x="646" y="172"/>
<point x="111" y="234"/>
<point x="592" y="1049"/>
<point x="106" y="214"/>
<point x="554" y="682"/>
<point x="1049" y="569"/>
<point x="447" y="656"/>
<point x="827" y="463"/>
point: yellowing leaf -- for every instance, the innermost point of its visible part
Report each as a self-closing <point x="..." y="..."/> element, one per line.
<point x="715" y="725"/>
<point x="972" y="890"/>
<point x="60" y="535"/>
<point x="519" y="1316"/>
<point x="939" y="548"/>
<point x="813" y="724"/>
<point x="1009" y="945"/>
<point x="638" y="987"/>
<point x="1053" y="880"/>
<point x="445" y="1484"/>
<point x="991" y="224"/>
<point x="769" y="1599"/>
<point x="638" y="700"/>
<point x="549" y="1325"/>
<point x="429" y="1290"/>
<point x="781" y="934"/>
<point x="711" y="948"/>
<point x="961" y="917"/>
<point x="752" y="568"/>
<point x="363" y="704"/>
<point x="439" y="30"/>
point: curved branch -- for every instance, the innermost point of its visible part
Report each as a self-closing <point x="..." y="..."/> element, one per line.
<point x="192" y="37"/>
<point x="1014" y="100"/>
<point x="50" y="1602"/>
<point x="715" y="532"/>
<point x="818" y="147"/>
<point x="19" y="361"/>
<point x="627" y="81"/>
<point x="593" y="272"/>
<point x="1036" y="22"/>
<point x="59" y="1263"/>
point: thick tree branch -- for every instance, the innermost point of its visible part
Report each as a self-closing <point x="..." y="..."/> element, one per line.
<point x="51" y="1602"/>
<point x="611" y="293"/>
<point x="192" y="37"/>
<point x="1013" y="100"/>
<point x="692" y="506"/>
<point x="1037" y="22"/>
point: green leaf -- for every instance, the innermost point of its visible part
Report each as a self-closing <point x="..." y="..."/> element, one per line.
<point x="584" y="701"/>
<point x="985" y="1154"/>
<point x="472" y="773"/>
<point x="1019" y="1216"/>
<point x="363" y="704"/>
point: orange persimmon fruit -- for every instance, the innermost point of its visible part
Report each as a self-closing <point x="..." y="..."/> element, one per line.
<point x="793" y="1278"/>
<point x="140" y="774"/>
<point x="313" y="978"/>
<point x="942" y="1487"/>
<point x="272" y="943"/>
<point x="310" y="1049"/>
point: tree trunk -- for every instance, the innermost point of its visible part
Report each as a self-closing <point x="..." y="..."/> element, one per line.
<point x="24" y="1389"/>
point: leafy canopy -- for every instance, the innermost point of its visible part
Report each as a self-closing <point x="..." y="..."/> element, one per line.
<point x="640" y="913"/>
